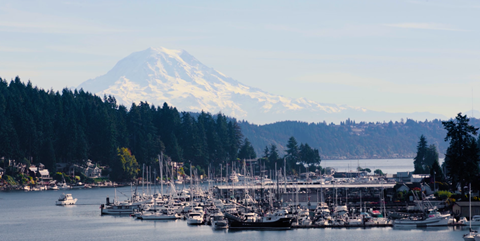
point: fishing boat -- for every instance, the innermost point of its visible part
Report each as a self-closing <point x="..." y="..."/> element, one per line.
<point x="66" y="199"/>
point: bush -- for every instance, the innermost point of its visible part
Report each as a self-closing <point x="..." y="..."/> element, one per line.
<point x="9" y="180"/>
<point x="443" y="194"/>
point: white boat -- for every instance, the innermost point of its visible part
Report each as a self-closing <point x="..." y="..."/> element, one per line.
<point x="164" y="214"/>
<point x="474" y="222"/>
<point x="66" y="199"/>
<point x="340" y="210"/>
<point x="63" y="186"/>
<point x="434" y="219"/>
<point x="79" y="185"/>
<point x="470" y="236"/>
<point x="303" y="218"/>
<point x="195" y="218"/>
<point x="218" y="221"/>
<point x="251" y="217"/>
<point x="53" y="187"/>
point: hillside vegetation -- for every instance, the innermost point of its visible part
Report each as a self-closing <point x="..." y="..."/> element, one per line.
<point x="351" y="140"/>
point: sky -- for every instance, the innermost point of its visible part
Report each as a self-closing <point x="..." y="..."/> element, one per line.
<point x="393" y="56"/>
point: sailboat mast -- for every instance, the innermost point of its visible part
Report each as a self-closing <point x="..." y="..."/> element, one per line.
<point x="160" y="162"/>
<point x="143" y="179"/>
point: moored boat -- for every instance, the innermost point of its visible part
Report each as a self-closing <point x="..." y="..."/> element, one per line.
<point x="66" y="199"/>
<point x="268" y="222"/>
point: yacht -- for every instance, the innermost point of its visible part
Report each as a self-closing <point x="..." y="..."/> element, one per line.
<point x="218" y="221"/>
<point x="433" y="219"/>
<point x="195" y="218"/>
<point x="165" y="214"/>
<point x="119" y="208"/>
<point x="277" y="220"/>
<point x="66" y="199"/>
<point x="303" y="218"/>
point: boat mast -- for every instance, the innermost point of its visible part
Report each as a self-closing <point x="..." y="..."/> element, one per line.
<point x="191" y="185"/>
<point x="160" y="161"/>
<point x="143" y="179"/>
<point x="470" y="204"/>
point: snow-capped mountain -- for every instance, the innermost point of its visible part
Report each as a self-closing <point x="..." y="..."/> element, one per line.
<point x="159" y="75"/>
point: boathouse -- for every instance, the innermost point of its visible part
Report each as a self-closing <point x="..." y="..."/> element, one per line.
<point x="461" y="209"/>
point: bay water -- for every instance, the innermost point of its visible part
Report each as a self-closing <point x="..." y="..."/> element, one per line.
<point x="34" y="216"/>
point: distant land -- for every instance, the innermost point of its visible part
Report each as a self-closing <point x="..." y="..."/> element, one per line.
<point x="158" y="75"/>
<point x="351" y="140"/>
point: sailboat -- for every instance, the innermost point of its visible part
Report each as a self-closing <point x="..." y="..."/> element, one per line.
<point x="470" y="236"/>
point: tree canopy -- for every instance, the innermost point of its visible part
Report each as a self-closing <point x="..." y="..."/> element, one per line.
<point x="461" y="159"/>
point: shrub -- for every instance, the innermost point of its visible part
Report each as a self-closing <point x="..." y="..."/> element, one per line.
<point x="443" y="194"/>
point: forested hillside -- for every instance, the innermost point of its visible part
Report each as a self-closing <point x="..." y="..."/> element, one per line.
<point x="49" y="127"/>
<point x="351" y="140"/>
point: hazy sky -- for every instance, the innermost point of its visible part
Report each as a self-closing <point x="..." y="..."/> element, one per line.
<point x="395" y="56"/>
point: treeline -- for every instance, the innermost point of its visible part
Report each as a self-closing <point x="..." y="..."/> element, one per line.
<point x="350" y="139"/>
<point x="51" y="127"/>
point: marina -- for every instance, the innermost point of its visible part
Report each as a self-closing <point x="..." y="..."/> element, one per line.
<point x="84" y="222"/>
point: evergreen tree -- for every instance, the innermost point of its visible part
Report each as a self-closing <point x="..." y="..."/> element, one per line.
<point x="273" y="156"/>
<point x="419" y="160"/>
<point x="247" y="151"/>
<point x="462" y="158"/>
<point x="292" y="153"/>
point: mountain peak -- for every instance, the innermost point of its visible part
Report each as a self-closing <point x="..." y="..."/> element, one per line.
<point x="159" y="75"/>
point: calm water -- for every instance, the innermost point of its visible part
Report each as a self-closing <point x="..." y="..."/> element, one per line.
<point x="33" y="216"/>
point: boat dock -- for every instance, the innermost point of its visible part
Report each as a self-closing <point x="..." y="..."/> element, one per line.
<point x="307" y="186"/>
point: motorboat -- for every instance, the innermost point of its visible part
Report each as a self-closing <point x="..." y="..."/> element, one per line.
<point x="474" y="222"/>
<point x="433" y="219"/>
<point x="303" y="218"/>
<point x="63" y="185"/>
<point x="277" y="220"/>
<point x="195" y="218"/>
<point x="340" y="210"/>
<point x="166" y="214"/>
<point x="218" y="221"/>
<point x="66" y="199"/>
<point x="119" y="208"/>
<point x="78" y="185"/>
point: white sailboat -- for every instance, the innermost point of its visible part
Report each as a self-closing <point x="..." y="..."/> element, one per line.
<point x="470" y="236"/>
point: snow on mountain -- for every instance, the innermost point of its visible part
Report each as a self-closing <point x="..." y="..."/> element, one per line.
<point x="159" y="75"/>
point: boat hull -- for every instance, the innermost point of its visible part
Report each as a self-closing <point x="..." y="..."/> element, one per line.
<point x="424" y="223"/>
<point x="281" y="223"/>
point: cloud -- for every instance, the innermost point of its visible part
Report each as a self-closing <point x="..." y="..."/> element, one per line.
<point x="427" y="26"/>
